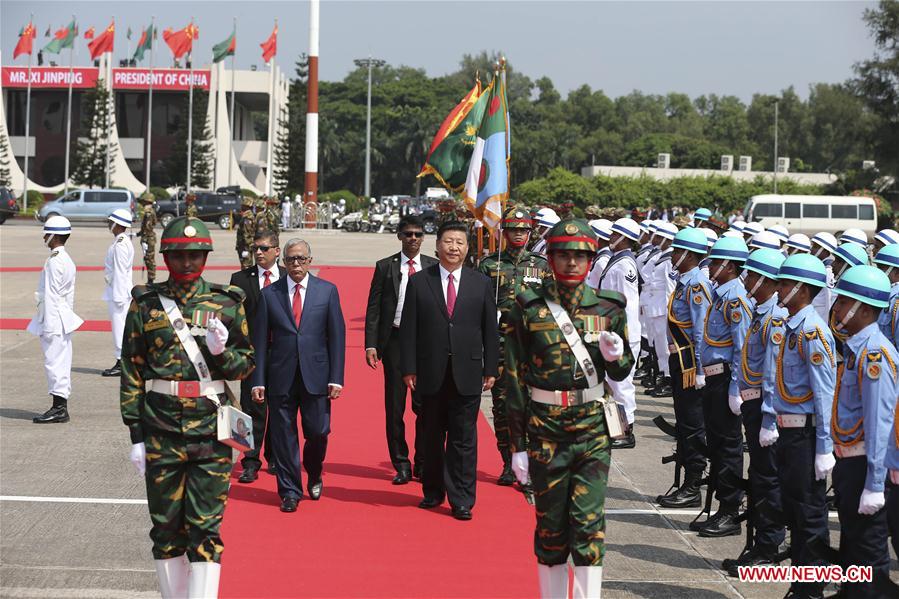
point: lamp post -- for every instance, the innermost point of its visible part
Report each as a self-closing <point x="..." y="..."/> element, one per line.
<point x="368" y="63"/>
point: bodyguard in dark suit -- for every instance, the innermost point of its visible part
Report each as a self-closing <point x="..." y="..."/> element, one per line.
<point x="252" y="280"/>
<point x="382" y="343"/>
<point x="449" y="349"/>
<point x="300" y="337"/>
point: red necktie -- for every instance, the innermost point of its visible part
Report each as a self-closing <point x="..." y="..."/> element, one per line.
<point x="297" y="305"/>
<point x="411" y="268"/>
<point x="450" y="295"/>
<point x="268" y="280"/>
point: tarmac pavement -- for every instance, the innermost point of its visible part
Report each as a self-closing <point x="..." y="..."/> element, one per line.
<point x="73" y="522"/>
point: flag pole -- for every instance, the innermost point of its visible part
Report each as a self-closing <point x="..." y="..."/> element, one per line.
<point x="190" y="105"/>
<point x="152" y="34"/>
<point x="109" y="97"/>
<point x="28" y="119"/>
<point x="69" y="107"/>
<point x="311" y="181"/>
<point x="231" y="156"/>
<point x="271" y="120"/>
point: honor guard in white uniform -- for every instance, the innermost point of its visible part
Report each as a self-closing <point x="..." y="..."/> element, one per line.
<point x="117" y="270"/>
<point x="660" y="278"/>
<point x="781" y="232"/>
<point x="711" y="238"/>
<point x="620" y="275"/>
<point x="603" y="229"/>
<point x="55" y="320"/>
<point x="750" y="230"/>
<point x="856" y="236"/>
<point x="883" y="238"/>
<point x="823" y="247"/>
<point x="545" y="219"/>
<point x="798" y="244"/>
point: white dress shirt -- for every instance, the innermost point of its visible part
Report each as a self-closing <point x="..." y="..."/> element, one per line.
<point x="275" y="275"/>
<point x="404" y="279"/>
<point x="444" y="279"/>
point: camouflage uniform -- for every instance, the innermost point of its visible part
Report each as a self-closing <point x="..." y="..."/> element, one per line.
<point x="262" y="218"/>
<point x="148" y="235"/>
<point x="513" y="270"/>
<point x="273" y="215"/>
<point x="188" y="470"/>
<point x="568" y="446"/>
<point x="246" y="231"/>
<point x="191" y="207"/>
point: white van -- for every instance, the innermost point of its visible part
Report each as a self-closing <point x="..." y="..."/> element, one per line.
<point x="813" y="214"/>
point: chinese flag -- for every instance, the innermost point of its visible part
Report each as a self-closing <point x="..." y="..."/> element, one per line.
<point x="181" y="41"/>
<point x="26" y="41"/>
<point x="103" y="42"/>
<point x="270" y="46"/>
<point x="89" y="34"/>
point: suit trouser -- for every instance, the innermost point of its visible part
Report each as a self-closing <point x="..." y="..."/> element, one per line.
<point x="803" y="497"/>
<point x="724" y="437"/>
<point x="451" y="443"/>
<point x="395" y="408"/>
<point x="262" y="430"/>
<point x="658" y="337"/>
<point x="689" y="421"/>
<point x="315" y="415"/>
<point x="863" y="539"/>
<point x="624" y="391"/>
<point x="892" y="508"/>
<point x="762" y="478"/>
<point x="117" y="313"/>
<point x="58" y="363"/>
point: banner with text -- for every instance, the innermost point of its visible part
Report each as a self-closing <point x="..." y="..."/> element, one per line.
<point x="50" y="77"/>
<point x="86" y="77"/>
<point x="163" y="79"/>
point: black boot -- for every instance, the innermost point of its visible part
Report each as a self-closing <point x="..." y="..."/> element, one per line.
<point x="759" y="555"/>
<point x="688" y="495"/>
<point x="664" y="389"/>
<point x="507" y="477"/>
<point x="626" y="442"/>
<point x="721" y="525"/>
<point x="57" y="414"/>
<point x="116" y="369"/>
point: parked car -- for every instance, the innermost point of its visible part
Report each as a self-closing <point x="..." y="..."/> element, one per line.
<point x="430" y="220"/>
<point x="8" y="205"/>
<point x="88" y="204"/>
<point x="211" y="206"/>
<point x="813" y="214"/>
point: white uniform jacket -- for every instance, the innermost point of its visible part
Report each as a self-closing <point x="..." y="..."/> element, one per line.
<point x="56" y="297"/>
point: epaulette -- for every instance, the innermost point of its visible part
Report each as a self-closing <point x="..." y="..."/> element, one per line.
<point x="233" y="291"/>
<point x="612" y="296"/>
<point x="528" y="296"/>
<point x="54" y="253"/>
<point x="139" y="291"/>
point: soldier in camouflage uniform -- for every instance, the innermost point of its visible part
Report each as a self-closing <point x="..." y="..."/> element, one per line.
<point x="190" y="208"/>
<point x="512" y="270"/>
<point x="246" y="232"/>
<point x="556" y="418"/>
<point x="172" y="423"/>
<point x="262" y="219"/>
<point x="273" y="215"/>
<point x="147" y="234"/>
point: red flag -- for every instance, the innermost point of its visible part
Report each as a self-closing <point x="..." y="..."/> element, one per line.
<point x="26" y="41"/>
<point x="63" y="33"/>
<point x="143" y="38"/>
<point x="103" y="43"/>
<point x="270" y="46"/>
<point x="181" y="41"/>
<point x="89" y="34"/>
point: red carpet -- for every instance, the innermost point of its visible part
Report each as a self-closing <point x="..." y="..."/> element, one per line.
<point x="366" y="537"/>
<point x="89" y="326"/>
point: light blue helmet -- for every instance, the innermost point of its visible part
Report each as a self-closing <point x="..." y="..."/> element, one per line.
<point x="866" y="284"/>
<point x="765" y="262"/>
<point x="851" y="253"/>
<point x="691" y="239"/>
<point x="888" y="255"/>
<point x="730" y="248"/>
<point x="803" y="268"/>
<point x="702" y="214"/>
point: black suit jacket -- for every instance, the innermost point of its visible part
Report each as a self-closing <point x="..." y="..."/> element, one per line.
<point x="248" y="280"/>
<point x="383" y="296"/>
<point x="428" y="335"/>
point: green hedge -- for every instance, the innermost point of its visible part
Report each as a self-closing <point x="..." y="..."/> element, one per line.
<point x="159" y="193"/>
<point x="35" y="201"/>
<point x="353" y="203"/>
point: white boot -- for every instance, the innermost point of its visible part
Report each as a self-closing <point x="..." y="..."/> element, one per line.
<point x="172" y="574"/>
<point x="204" y="580"/>
<point x="587" y="582"/>
<point x="553" y="581"/>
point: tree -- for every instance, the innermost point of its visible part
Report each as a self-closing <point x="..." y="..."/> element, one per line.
<point x="296" y="126"/>
<point x="201" y="146"/>
<point x="5" y="179"/>
<point x="280" y="157"/>
<point x="90" y="160"/>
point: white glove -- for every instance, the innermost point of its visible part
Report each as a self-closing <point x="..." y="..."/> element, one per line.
<point x="520" y="466"/>
<point x="768" y="437"/>
<point x="700" y="381"/>
<point x="736" y="404"/>
<point x="611" y="346"/>
<point x="144" y="246"/>
<point x="871" y="502"/>
<point x="824" y="463"/>
<point x="138" y="457"/>
<point x="216" y="336"/>
<point x="244" y="254"/>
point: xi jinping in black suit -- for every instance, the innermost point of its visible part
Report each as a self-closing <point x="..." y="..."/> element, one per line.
<point x="450" y="349"/>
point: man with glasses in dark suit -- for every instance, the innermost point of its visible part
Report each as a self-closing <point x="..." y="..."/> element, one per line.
<point x="382" y="342"/>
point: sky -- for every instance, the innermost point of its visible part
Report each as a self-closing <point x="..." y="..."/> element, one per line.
<point x="724" y="47"/>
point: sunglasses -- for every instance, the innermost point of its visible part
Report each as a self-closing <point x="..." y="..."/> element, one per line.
<point x="411" y="234"/>
<point x="297" y="259"/>
<point x="263" y="248"/>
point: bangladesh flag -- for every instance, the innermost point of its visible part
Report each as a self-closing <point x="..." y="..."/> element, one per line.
<point x="487" y="185"/>
<point x="224" y="49"/>
<point x="63" y="38"/>
<point x="145" y="43"/>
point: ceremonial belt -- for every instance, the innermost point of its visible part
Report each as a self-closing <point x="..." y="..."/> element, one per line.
<point x="185" y="388"/>
<point x="714" y="369"/>
<point x="795" y="420"/>
<point x="849" y="451"/>
<point x="747" y="394"/>
<point x="567" y="398"/>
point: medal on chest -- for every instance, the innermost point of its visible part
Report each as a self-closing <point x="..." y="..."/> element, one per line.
<point x="593" y="326"/>
<point x="199" y="321"/>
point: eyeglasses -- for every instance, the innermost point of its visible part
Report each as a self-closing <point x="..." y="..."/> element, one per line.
<point x="262" y="248"/>
<point x="297" y="259"/>
<point x="411" y="234"/>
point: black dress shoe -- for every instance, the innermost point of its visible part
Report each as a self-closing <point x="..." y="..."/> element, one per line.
<point x="640" y="373"/>
<point x="462" y="513"/>
<point x="289" y="504"/>
<point x="271" y="468"/>
<point x="629" y="441"/>
<point x="721" y="525"/>
<point x="507" y="477"/>
<point x="315" y="490"/>
<point x="54" y="415"/>
<point x="116" y="370"/>
<point x="402" y="477"/>
<point x="416" y="471"/>
<point x="248" y="475"/>
<point x="429" y="502"/>
<point x="758" y="555"/>
<point x="663" y="389"/>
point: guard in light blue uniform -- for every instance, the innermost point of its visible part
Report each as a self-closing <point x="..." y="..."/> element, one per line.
<point x="892" y="464"/>
<point x="725" y="328"/>
<point x="686" y="313"/>
<point x="861" y="423"/>
<point x="887" y="260"/>
<point x="761" y="279"/>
